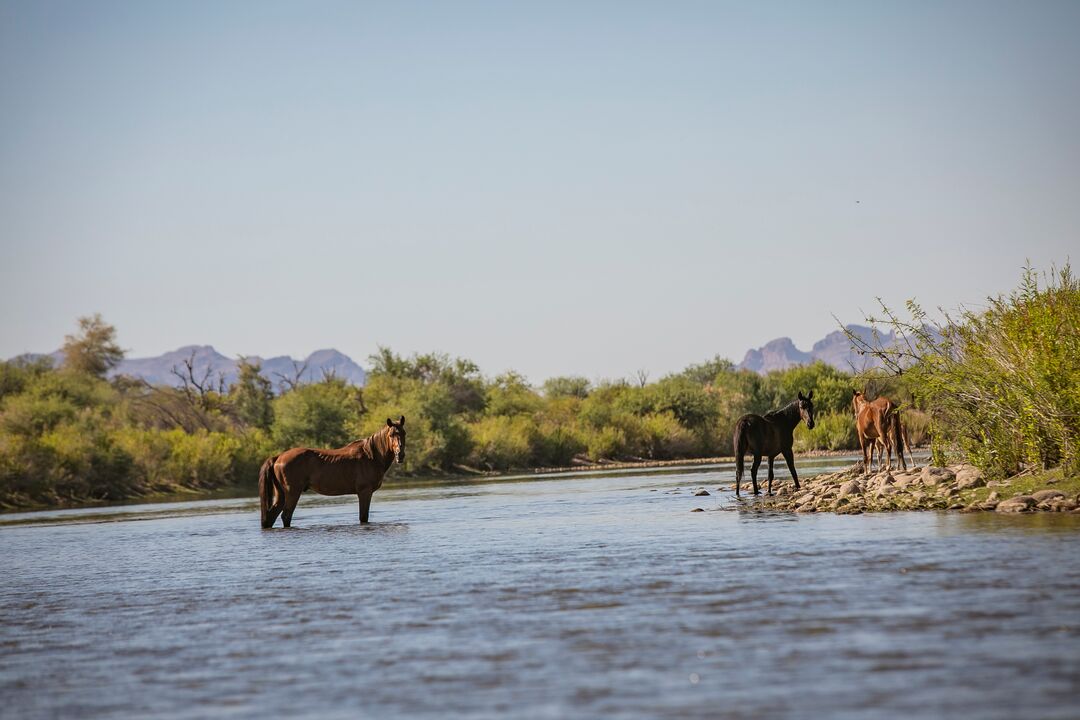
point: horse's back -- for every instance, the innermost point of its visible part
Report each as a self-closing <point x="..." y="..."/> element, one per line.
<point x="317" y="469"/>
<point x="749" y="432"/>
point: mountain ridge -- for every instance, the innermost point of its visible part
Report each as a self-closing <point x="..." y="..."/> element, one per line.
<point x="280" y="370"/>
<point x="834" y="349"/>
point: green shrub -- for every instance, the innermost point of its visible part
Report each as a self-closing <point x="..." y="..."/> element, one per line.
<point x="501" y="442"/>
<point x="832" y="431"/>
<point x="436" y="437"/>
<point x="317" y="415"/>
<point x="605" y="443"/>
<point x="569" y="386"/>
<point x="667" y="438"/>
<point x="556" y="445"/>
<point x="510" y="394"/>
<point x="1001" y="385"/>
<point x="917" y="424"/>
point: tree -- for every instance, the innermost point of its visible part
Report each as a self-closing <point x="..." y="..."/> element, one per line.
<point x="316" y="415"/>
<point x="252" y="396"/>
<point x="510" y="394"/>
<point x="460" y="376"/>
<point x="569" y="386"/>
<point x="93" y="350"/>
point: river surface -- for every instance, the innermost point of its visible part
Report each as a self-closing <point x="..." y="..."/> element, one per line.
<point x="562" y="597"/>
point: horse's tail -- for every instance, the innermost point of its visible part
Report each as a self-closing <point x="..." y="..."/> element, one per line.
<point x="268" y="493"/>
<point x="907" y="442"/>
<point x="741" y="443"/>
<point x="898" y="436"/>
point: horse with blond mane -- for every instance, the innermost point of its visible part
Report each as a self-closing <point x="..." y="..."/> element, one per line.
<point x="877" y="423"/>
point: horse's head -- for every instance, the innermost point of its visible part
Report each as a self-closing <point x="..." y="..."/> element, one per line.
<point x="857" y="401"/>
<point x="806" y="408"/>
<point x="395" y="435"/>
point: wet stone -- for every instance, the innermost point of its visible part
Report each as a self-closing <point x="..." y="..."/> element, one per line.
<point x="1043" y="495"/>
<point x="851" y="487"/>
<point x="1020" y="503"/>
<point x="969" y="477"/>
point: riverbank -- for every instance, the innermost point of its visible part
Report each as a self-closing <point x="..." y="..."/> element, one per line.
<point x="957" y="487"/>
<point x="586" y="466"/>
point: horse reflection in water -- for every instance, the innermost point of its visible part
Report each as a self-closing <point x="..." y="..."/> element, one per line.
<point x="356" y="469"/>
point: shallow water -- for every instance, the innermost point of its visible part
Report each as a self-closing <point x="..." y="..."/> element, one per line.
<point x="575" y="596"/>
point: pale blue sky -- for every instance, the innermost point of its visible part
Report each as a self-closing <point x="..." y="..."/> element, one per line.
<point x="581" y="187"/>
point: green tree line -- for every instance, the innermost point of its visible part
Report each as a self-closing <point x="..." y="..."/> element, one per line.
<point x="68" y="435"/>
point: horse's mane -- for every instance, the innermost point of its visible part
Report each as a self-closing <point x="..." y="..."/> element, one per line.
<point x="782" y="412"/>
<point x="364" y="447"/>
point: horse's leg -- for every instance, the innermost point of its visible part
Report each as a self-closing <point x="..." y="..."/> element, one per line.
<point x="275" y="500"/>
<point x="907" y="444"/>
<point x="884" y="451"/>
<point x="862" y="446"/>
<point x="771" y="459"/>
<point x="365" y="504"/>
<point x="292" y="496"/>
<point x="753" y="472"/>
<point x="789" y="457"/>
<point x="738" y="472"/>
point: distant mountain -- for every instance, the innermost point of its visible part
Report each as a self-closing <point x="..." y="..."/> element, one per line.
<point x="833" y="349"/>
<point x="778" y="354"/>
<point x="159" y="370"/>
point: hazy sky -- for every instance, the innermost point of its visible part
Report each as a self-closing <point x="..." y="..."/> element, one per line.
<point x="583" y="187"/>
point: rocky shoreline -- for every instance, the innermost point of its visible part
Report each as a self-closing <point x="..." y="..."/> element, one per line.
<point x="957" y="487"/>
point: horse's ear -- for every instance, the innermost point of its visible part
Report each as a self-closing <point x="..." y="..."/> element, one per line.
<point x="810" y="395"/>
<point x="801" y="395"/>
<point x="401" y="422"/>
<point x="389" y="422"/>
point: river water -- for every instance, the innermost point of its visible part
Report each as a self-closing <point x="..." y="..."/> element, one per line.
<point x="567" y="596"/>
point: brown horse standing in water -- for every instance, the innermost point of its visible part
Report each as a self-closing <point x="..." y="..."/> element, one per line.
<point x="877" y="422"/>
<point x="358" y="468"/>
<point x="771" y="435"/>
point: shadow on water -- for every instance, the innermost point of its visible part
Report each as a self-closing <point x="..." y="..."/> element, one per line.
<point x="338" y="529"/>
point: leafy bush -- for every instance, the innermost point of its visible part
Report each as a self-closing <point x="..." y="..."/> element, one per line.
<point x="1001" y="385"/>
<point x="510" y="394"/>
<point x="917" y="424"/>
<point x="607" y="442"/>
<point x="316" y="415"/>
<point x="437" y="437"/>
<point x="569" y="386"/>
<point x="832" y="431"/>
<point x="170" y="460"/>
<point x="502" y="442"/>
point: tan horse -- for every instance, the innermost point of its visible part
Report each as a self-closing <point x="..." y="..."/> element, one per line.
<point x="877" y="422"/>
<point x="358" y="468"/>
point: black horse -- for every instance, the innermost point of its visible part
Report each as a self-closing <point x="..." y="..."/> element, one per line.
<point x="770" y="436"/>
